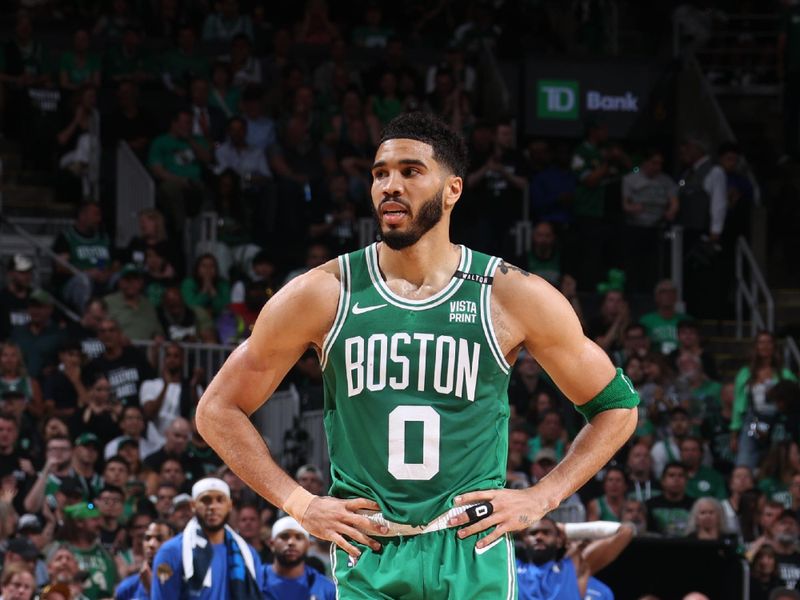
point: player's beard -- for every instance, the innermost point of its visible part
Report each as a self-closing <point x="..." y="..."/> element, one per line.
<point x="212" y="528"/>
<point x="541" y="556"/>
<point x="430" y="213"/>
<point x="285" y="562"/>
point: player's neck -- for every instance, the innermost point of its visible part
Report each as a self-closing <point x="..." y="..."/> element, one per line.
<point x="431" y="261"/>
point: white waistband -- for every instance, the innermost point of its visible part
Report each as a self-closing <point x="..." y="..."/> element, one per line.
<point x="437" y="524"/>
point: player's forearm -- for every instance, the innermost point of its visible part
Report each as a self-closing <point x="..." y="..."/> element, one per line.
<point x="237" y="442"/>
<point x="594" y="446"/>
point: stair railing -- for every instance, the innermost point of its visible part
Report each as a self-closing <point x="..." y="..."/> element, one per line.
<point x="791" y="354"/>
<point x="752" y="290"/>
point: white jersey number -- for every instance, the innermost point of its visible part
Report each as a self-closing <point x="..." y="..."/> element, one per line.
<point x="397" y="443"/>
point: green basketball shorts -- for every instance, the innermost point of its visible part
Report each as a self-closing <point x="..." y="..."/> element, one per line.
<point x="430" y="566"/>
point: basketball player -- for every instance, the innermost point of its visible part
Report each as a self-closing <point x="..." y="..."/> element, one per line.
<point x="416" y="337"/>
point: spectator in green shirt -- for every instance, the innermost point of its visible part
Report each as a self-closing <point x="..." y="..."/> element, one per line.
<point x="662" y="323"/>
<point x="79" y="66"/>
<point x="206" y="288"/>
<point x="176" y="160"/>
<point x="185" y="62"/>
<point x="703" y="480"/>
<point x="127" y="61"/>
<point x="82" y="524"/>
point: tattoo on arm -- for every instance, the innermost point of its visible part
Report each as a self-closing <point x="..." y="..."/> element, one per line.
<point x="506" y="267"/>
<point x="524" y="519"/>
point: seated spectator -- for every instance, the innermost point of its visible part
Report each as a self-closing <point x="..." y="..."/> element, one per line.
<point x="14" y="378"/>
<point x="248" y="162"/>
<point x="668" y="449"/>
<point x="703" y="480"/>
<point x="110" y="502"/>
<point x="335" y="222"/>
<point x="777" y="470"/>
<point x="41" y="338"/>
<point x="608" y="326"/>
<point x="165" y="494"/>
<point x="248" y="525"/>
<point x="261" y="132"/>
<point x="716" y="428"/>
<point x="662" y="324"/>
<point x="222" y="94"/>
<point x="658" y="391"/>
<point x="85" y="454"/>
<point x="518" y="467"/>
<point x="634" y="343"/>
<point x="131" y="309"/>
<point x="245" y="67"/>
<point x="82" y="525"/>
<point x="153" y="233"/>
<point x="634" y="512"/>
<point x="183" y="63"/>
<point x="649" y="196"/>
<point x="63" y="570"/>
<point x="372" y="33"/>
<point x="85" y="246"/>
<point x="159" y="274"/>
<point x="741" y="195"/>
<point x="79" y="66"/>
<point x="262" y="269"/>
<point x="316" y="254"/>
<point x="133" y="427"/>
<point x="689" y="342"/>
<point x="237" y="321"/>
<point x="172" y="395"/>
<point x="639" y="468"/>
<point x="668" y="514"/>
<point x="752" y="411"/>
<point x="86" y="330"/>
<point x="184" y="323"/>
<point x="225" y="23"/>
<point x="699" y="394"/>
<point x="544" y="258"/>
<point x="18" y="582"/>
<point x="447" y="100"/>
<point x="176" y="446"/>
<point x="128" y="122"/>
<point x="13" y="459"/>
<point x="707" y="522"/>
<point x="63" y="386"/>
<point x="608" y="507"/>
<point x="552" y="185"/>
<point x="352" y="112"/>
<point x="785" y="395"/>
<point x="137" y="585"/>
<point x="126" y="61"/>
<point x="24" y="64"/>
<point x="786" y="548"/>
<point x="335" y="66"/>
<point x="206" y="288"/>
<point x="741" y="481"/>
<point x="57" y="468"/>
<point x="76" y="137"/>
<point x="176" y="159"/>
<point x="113" y="24"/>
<point x="15" y="293"/>
<point x="124" y="366"/>
<point x="768" y="512"/>
<point x="208" y="122"/>
<point x="550" y="435"/>
<point x="764" y="575"/>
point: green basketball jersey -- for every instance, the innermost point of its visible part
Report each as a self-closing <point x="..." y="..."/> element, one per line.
<point x="416" y="405"/>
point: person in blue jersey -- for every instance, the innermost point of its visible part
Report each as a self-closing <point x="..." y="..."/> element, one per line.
<point x="416" y="338"/>
<point x="137" y="586"/>
<point x="552" y="573"/>
<point x="208" y="560"/>
<point x="289" y="577"/>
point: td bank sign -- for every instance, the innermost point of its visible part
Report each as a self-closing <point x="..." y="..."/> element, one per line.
<point x="560" y="99"/>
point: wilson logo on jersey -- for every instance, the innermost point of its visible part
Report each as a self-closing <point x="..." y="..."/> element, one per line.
<point x="454" y="370"/>
<point x="463" y="311"/>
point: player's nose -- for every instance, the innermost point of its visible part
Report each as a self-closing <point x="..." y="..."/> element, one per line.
<point x="393" y="184"/>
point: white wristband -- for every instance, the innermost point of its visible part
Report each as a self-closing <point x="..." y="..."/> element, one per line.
<point x="591" y="530"/>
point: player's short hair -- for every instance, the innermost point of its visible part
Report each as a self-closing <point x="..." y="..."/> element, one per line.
<point x="449" y="148"/>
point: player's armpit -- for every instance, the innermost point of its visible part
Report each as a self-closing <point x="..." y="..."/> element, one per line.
<point x="535" y="314"/>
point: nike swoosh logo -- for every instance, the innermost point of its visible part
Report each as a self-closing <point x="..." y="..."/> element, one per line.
<point x="358" y="310"/>
<point x="480" y="551"/>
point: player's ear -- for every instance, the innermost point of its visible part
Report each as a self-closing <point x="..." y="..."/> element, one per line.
<point x="453" y="187"/>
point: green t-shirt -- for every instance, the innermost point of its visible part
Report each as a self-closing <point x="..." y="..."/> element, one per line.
<point x="176" y="156"/>
<point x="776" y="490"/>
<point x="101" y="568"/>
<point x="117" y="63"/>
<point x="78" y="73"/>
<point x="548" y="269"/>
<point x="181" y="67"/>
<point x="704" y="399"/>
<point x="228" y="102"/>
<point x="85" y="252"/>
<point x="706" y="482"/>
<point x="589" y="201"/>
<point x="663" y="333"/>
